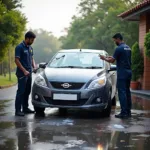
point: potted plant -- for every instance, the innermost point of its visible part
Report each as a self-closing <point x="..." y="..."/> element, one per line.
<point x="147" y="45"/>
<point x="137" y="66"/>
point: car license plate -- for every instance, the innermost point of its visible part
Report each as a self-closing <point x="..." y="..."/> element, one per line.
<point x="68" y="97"/>
<point x="64" y="138"/>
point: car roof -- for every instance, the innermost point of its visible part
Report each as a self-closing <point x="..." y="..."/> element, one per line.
<point x="103" y="52"/>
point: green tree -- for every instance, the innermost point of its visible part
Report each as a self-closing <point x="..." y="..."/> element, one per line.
<point x="11" y="4"/>
<point x="45" y="45"/>
<point x="137" y="62"/>
<point x="12" y="26"/>
<point x="97" y="23"/>
<point x="147" y="45"/>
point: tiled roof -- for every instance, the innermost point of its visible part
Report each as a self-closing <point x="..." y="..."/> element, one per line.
<point x="143" y="4"/>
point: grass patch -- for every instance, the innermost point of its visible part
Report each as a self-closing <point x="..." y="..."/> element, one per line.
<point x="5" y="80"/>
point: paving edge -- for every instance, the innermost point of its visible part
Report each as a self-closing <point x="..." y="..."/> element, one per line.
<point x="7" y="86"/>
<point x="140" y="93"/>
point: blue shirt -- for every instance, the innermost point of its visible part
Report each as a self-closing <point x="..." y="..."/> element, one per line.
<point x="24" y="53"/>
<point x="122" y="55"/>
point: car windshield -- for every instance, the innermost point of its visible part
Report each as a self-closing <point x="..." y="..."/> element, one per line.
<point x="76" y="60"/>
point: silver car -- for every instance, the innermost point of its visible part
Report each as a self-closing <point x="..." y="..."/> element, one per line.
<point x="77" y="79"/>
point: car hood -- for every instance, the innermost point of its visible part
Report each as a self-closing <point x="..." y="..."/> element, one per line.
<point x="71" y="74"/>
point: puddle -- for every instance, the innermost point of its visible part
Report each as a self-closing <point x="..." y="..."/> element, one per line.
<point x="118" y="126"/>
<point x="140" y="103"/>
<point x="60" y="122"/>
<point x="77" y="130"/>
<point x="6" y="125"/>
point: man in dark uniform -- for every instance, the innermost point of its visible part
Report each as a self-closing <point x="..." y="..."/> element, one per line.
<point x="122" y="55"/>
<point x="24" y="61"/>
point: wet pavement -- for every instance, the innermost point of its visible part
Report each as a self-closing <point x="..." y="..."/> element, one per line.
<point x="78" y="130"/>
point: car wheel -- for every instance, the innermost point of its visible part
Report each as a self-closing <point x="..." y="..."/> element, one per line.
<point x="106" y="112"/>
<point x="39" y="110"/>
<point x="114" y="101"/>
<point x="62" y="111"/>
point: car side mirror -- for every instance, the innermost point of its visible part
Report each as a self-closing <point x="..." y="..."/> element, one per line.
<point x="112" y="68"/>
<point x="43" y="65"/>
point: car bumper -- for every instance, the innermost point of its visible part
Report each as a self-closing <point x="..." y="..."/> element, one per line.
<point x="87" y="98"/>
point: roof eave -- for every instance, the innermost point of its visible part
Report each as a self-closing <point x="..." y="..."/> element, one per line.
<point x="134" y="14"/>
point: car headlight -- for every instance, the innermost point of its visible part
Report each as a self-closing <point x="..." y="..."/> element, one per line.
<point x="40" y="80"/>
<point x="97" y="83"/>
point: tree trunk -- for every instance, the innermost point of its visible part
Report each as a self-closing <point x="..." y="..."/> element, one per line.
<point x="1" y="68"/>
<point x="9" y="64"/>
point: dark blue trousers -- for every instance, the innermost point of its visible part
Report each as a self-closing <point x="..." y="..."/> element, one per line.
<point x="124" y="94"/>
<point x="23" y="92"/>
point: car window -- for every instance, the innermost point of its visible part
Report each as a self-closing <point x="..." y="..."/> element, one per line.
<point x="78" y="59"/>
<point x="88" y="59"/>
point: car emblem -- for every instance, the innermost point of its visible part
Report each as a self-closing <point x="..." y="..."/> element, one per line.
<point x="66" y="85"/>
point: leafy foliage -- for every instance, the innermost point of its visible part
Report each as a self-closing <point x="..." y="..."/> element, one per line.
<point x="147" y="44"/>
<point x="97" y="22"/>
<point x="45" y="46"/>
<point x="11" y="4"/>
<point x="137" y="62"/>
<point x="12" y="25"/>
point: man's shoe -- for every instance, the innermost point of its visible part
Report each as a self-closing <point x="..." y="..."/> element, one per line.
<point x="28" y="111"/>
<point x="19" y="113"/>
<point x="122" y="116"/>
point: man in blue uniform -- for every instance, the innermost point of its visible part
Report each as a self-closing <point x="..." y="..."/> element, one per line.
<point x="24" y="61"/>
<point x="122" y="55"/>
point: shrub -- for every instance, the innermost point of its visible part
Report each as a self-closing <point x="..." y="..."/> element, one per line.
<point x="137" y="62"/>
<point x="147" y="44"/>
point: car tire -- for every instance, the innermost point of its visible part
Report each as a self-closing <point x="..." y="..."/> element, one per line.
<point x="114" y="101"/>
<point x="106" y="112"/>
<point x="62" y="111"/>
<point x="39" y="110"/>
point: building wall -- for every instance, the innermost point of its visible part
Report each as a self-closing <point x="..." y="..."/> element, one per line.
<point x="144" y="27"/>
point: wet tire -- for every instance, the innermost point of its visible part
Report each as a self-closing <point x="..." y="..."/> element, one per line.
<point x="62" y="111"/>
<point x="114" y="101"/>
<point x="106" y="112"/>
<point x="39" y="110"/>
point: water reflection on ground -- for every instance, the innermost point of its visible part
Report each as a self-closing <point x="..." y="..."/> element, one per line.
<point x="78" y="130"/>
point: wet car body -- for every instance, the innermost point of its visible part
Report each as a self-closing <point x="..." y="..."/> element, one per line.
<point x="90" y="85"/>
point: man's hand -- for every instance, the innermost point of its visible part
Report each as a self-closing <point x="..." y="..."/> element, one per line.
<point x="35" y="70"/>
<point x="102" y="57"/>
<point x="109" y="59"/>
<point x="26" y="73"/>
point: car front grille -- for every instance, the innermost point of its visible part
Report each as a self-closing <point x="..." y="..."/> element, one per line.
<point x="67" y="85"/>
<point x="65" y="103"/>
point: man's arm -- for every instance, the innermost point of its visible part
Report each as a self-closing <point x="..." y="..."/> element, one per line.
<point x="109" y="59"/>
<point x="33" y="63"/>
<point x="19" y="65"/>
